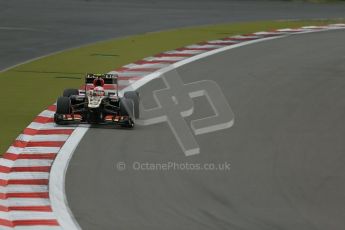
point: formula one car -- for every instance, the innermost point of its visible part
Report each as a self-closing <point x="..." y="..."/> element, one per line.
<point x="98" y="103"/>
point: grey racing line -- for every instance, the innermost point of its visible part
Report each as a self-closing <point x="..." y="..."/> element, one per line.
<point x="286" y="149"/>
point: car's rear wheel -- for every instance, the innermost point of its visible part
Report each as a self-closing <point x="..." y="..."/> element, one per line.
<point x="70" y="92"/>
<point x="135" y="98"/>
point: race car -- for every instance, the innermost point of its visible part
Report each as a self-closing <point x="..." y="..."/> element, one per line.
<point x="98" y="103"/>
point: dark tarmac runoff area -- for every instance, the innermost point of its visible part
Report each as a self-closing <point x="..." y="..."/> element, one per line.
<point x="32" y="28"/>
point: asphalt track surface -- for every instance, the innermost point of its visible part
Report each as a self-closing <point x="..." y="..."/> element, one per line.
<point x="286" y="149"/>
<point x="285" y="161"/>
<point x="32" y="28"/>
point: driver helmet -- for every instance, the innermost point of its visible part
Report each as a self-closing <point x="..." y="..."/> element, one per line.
<point x="98" y="91"/>
<point x="98" y="82"/>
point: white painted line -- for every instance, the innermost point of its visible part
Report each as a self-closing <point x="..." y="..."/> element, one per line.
<point x="146" y="65"/>
<point x="314" y="27"/>
<point x="19" y="202"/>
<point x="207" y="46"/>
<point x="23" y="188"/>
<point x="47" y="113"/>
<point x="39" y="138"/>
<point x="130" y="73"/>
<point x="184" y="52"/>
<point x="338" y="24"/>
<point x="27" y="215"/>
<point x="24" y="176"/>
<point x="32" y="162"/>
<point x="45" y="126"/>
<point x="28" y="150"/>
<point x="269" y="33"/>
<point x="25" y="162"/>
<point x="244" y="36"/>
<point x="223" y="41"/>
<point x="57" y="181"/>
<point x="164" y="58"/>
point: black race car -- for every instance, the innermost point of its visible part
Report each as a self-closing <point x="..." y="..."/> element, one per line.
<point x="98" y="103"/>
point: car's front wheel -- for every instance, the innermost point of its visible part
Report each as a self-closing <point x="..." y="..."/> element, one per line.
<point x="63" y="107"/>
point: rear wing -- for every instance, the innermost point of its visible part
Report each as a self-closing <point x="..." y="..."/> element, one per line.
<point x="108" y="78"/>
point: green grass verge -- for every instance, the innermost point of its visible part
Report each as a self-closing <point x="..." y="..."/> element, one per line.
<point x="31" y="87"/>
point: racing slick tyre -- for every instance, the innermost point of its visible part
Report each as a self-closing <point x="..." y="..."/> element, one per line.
<point x="127" y="109"/>
<point x="63" y="105"/>
<point x="70" y="92"/>
<point x="135" y="97"/>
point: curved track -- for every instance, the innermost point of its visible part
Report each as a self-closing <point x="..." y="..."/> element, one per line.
<point x="32" y="28"/>
<point x="285" y="149"/>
